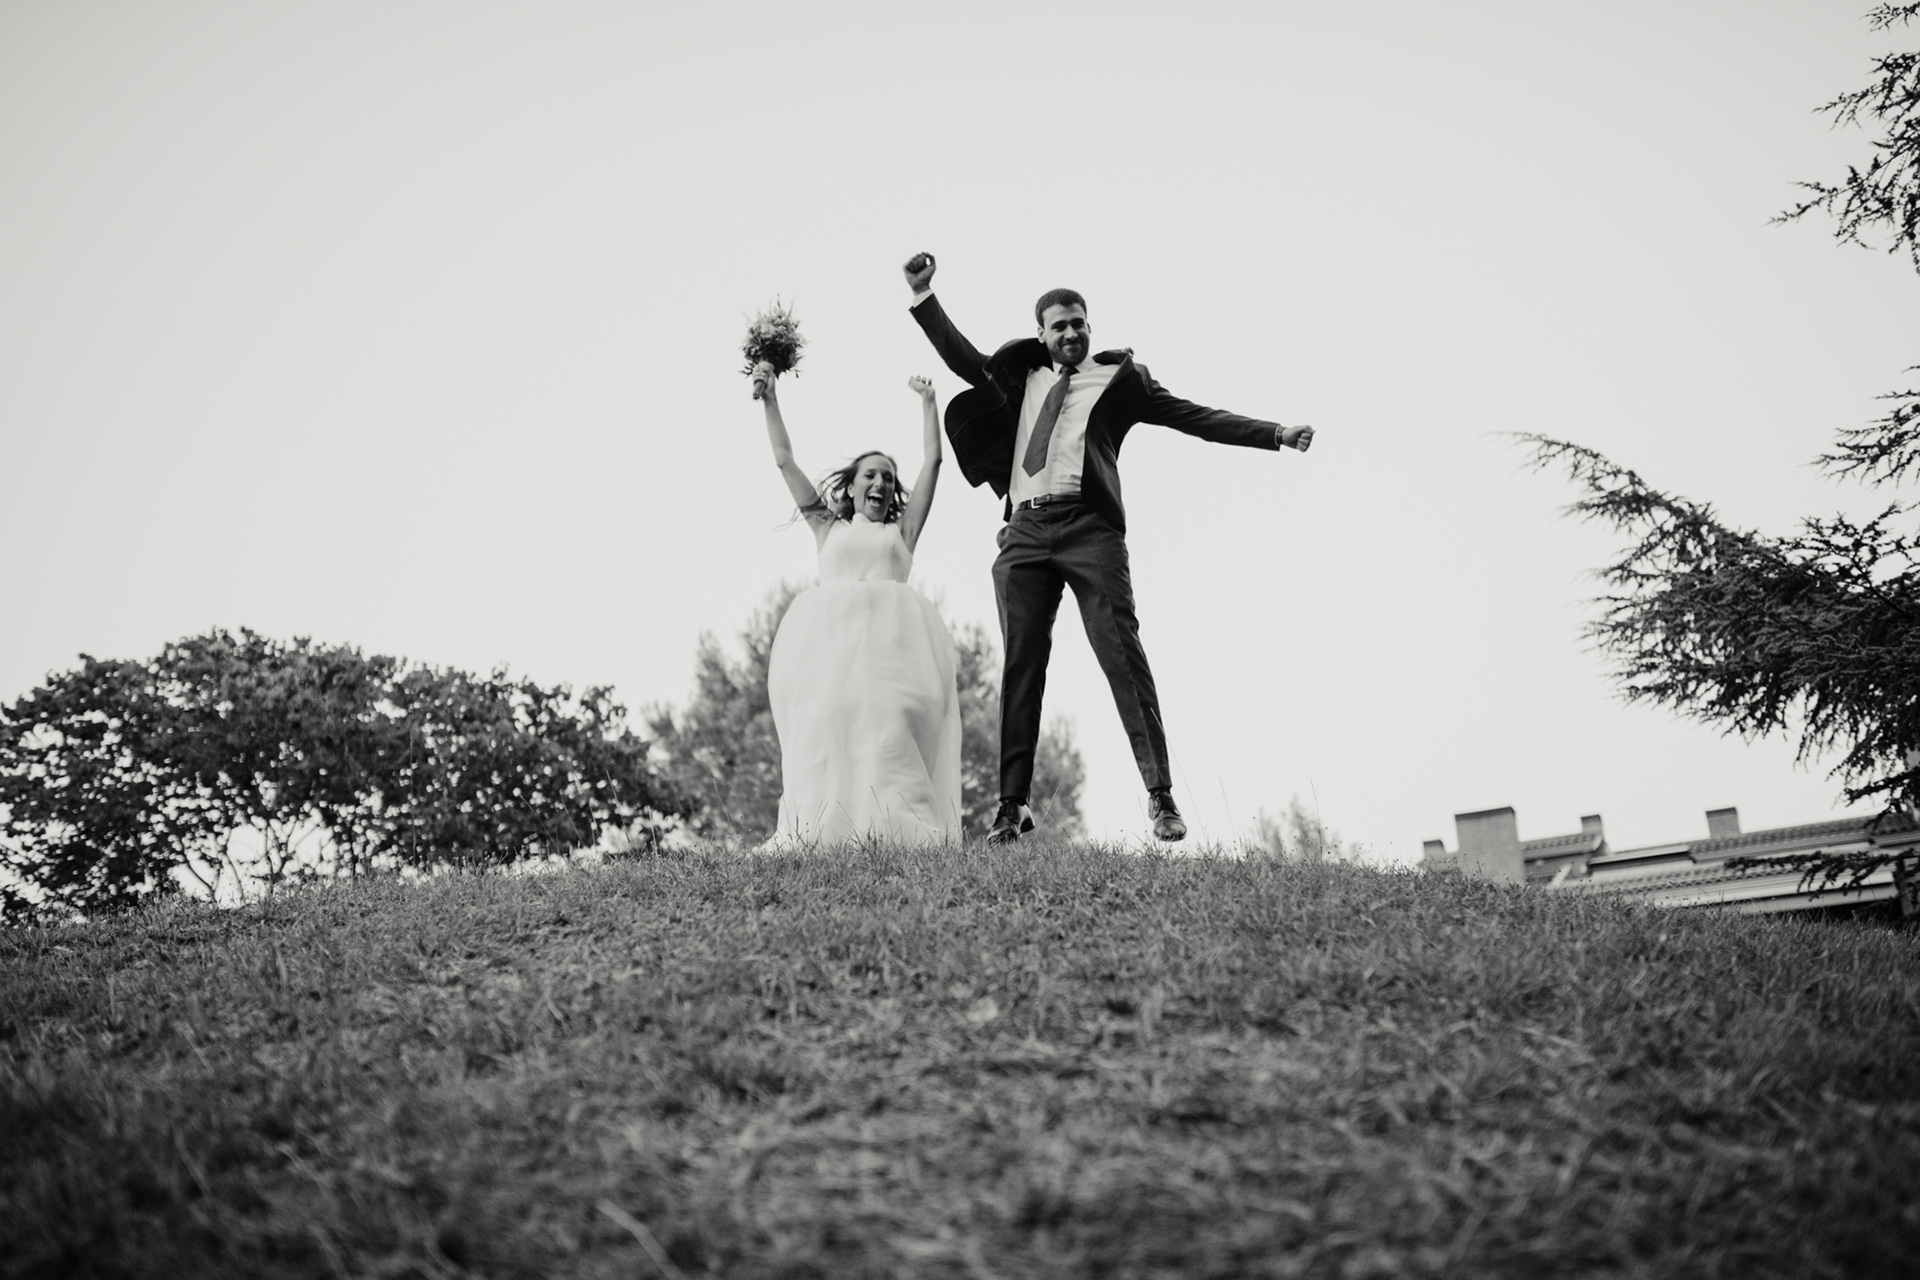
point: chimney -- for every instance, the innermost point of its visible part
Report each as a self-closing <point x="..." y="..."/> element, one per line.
<point x="1722" y="823"/>
<point x="1590" y="824"/>
<point x="1490" y="845"/>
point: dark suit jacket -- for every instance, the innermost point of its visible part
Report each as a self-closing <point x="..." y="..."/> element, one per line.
<point x="983" y="421"/>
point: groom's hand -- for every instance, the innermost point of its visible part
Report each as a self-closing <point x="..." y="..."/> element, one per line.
<point x="919" y="272"/>
<point x="1300" y="438"/>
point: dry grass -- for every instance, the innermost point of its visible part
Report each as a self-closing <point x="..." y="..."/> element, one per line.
<point x="1066" y="1061"/>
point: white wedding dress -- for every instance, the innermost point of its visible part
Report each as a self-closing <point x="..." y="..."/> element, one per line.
<point x="861" y="678"/>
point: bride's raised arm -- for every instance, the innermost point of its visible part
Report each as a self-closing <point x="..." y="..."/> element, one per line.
<point x="805" y="496"/>
<point x="914" y="518"/>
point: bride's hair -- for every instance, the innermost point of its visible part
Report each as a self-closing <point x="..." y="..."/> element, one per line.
<point x="839" y="503"/>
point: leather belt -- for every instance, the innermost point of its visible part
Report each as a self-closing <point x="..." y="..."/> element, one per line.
<point x="1047" y="500"/>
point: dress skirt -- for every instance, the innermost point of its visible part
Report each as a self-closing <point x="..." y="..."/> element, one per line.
<point x="861" y="678"/>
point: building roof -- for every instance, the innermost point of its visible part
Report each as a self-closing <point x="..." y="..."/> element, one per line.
<point x="1561" y="846"/>
<point x="1639" y="857"/>
<point x="1692" y="873"/>
<point x="1751" y="888"/>
<point x="1890" y="825"/>
<point x="1811" y="833"/>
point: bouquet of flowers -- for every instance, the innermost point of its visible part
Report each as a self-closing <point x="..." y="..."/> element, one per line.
<point x="774" y="336"/>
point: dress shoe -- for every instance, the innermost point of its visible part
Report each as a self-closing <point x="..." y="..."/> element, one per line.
<point x="1013" y="821"/>
<point x="1167" y="822"/>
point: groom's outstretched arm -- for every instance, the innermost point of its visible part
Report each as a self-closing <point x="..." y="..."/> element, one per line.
<point x="1168" y="410"/>
<point x="961" y="356"/>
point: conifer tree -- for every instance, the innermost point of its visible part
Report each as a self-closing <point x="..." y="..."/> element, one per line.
<point x="1814" y="635"/>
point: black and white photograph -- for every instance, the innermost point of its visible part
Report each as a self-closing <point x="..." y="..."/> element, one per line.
<point x="991" y="641"/>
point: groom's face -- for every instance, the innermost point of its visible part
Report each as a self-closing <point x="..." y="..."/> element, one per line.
<point x="1063" y="328"/>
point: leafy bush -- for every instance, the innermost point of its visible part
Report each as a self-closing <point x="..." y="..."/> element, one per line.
<point x="123" y="779"/>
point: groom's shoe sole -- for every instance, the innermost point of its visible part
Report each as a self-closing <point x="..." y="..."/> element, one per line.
<point x="1168" y="825"/>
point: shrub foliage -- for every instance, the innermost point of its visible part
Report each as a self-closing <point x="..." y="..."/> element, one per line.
<point x="119" y="778"/>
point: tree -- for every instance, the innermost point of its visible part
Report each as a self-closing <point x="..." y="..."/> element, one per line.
<point x="95" y="813"/>
<point x="1059" y="774"/>
<point x="1814" y="635"/>
<point x="286" y="741"/>
<point x="1297" y="835"/>
<point x="494" y="770"/>
<point x="722" y="753"/>
<point x="243" y="763"/>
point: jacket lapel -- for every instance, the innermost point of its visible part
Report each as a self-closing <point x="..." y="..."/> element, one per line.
<point x="1124" y="384"/>
<point x="983" y="421"/>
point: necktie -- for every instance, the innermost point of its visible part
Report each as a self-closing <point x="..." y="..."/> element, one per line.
<point x="1043" y="425"/>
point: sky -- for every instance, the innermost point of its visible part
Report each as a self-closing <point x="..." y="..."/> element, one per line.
<point x="416" y="326"/>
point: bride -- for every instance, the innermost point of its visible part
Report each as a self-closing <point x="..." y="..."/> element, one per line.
<point x="861" y="676"/>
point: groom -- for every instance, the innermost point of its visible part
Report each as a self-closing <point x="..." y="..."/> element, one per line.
<point x="1043" y="424"/>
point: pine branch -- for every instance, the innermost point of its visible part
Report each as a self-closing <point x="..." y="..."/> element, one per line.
<point x="1883" y="198"/>
<point x="1823" y="872"/>
<point x="1885" y="450"/>
<point x="1815" y="636"/>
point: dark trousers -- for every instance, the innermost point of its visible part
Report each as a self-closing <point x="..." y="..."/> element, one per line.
<point x="1041" y="551"/>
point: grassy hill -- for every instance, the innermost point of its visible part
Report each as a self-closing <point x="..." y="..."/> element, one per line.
<point x="1043" y="1061"/>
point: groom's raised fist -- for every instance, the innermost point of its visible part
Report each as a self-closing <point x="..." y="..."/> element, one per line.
<point x="919" y="272"/>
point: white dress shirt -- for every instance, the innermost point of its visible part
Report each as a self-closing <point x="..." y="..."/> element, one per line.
<point x="1067" y="448"/>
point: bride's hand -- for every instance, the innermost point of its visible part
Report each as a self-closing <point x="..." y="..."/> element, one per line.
<point x="763" y="381"/>
<point x="922" y="385"/>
